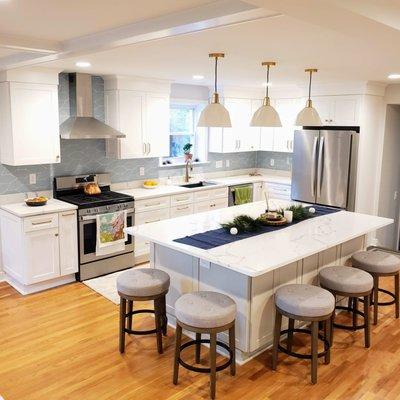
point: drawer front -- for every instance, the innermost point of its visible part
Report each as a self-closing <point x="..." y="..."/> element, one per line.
<point x="179" y="199"/>
<point x="210" y="205"/>
<point x="220" y="193"/>
<point x="39" y="222"/>
<point x="179" y="211"/>
<point x="147" y="217"/>
<point x="203" y="195"/>
<point x="152" y="204"/>
<point x="276" y="191"/>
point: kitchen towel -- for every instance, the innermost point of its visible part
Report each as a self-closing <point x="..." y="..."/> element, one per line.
<point x="219" y="237"/>
<point x="110" y="235"/>
<point x="242" y="195"/>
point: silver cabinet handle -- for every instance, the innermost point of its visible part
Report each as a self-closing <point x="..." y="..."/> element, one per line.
<point x="320" y="173"/>
<point x="152" y="204"/>
<point x="149" y="222"/>
<point x="314" y="166"/>
<point x="144" y="148"/>
<point x="68" y="214"/>
<point x="240" y="143"/>
<point x="182" y="208"/>
<point x="42" y="222"/>
<point x="149" y="148"/>
<point x="186" y="198"/>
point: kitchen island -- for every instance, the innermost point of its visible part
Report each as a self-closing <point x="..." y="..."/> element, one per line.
<point x="250" y="270"/>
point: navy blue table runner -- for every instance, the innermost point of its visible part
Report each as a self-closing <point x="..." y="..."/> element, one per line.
<point x="219" y="237"/>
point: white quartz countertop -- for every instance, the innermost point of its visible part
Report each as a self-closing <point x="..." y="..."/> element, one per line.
<point x="168" y="190"/>
<point x="265" y="252"/>
<point x="22" y="210"/>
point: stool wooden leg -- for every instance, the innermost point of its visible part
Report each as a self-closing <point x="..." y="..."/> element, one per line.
<point x="213" y="363"/>
<point x="355" y="309"/>
<point x="290" y="334"/>
<point x="122" y="311"/>
<point x="130" y="309"/>
<point x="277" y="335"/>
<point x="198" y="348"/>
<point x="164" y="313"/>
<point x="367" y="322"/>
<point x="396" y="294"/>
<point x="328" y="338"/>
<point x="178" y="339"/>
<point x="314" y="351"/>
<point x="232" y="346"/>
<point x="376" y="287"/>
<point x="159" y="325"/>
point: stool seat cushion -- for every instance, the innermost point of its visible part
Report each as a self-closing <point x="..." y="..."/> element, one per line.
<point x="142" y="282"/>
<point x="376" y="261"/>
<point x="346" y="279"/>
<point x="305" y="300"/>
<point x="205" y="309"/>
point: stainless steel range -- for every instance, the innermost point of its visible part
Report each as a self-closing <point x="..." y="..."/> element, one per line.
<point x="71" y="190"/>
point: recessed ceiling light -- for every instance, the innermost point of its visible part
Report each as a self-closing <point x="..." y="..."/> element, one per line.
<point x="394" y="76"/>
<point x="198" y="77"/>
<point x="83" y="64"/>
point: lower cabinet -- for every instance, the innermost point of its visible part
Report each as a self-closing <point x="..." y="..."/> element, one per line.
<point x="39" y="248"/>
<point x="210" y="205"/>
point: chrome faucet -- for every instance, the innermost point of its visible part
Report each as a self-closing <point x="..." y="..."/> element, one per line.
<point x="189" y="165"/>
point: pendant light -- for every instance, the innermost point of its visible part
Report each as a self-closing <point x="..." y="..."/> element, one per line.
<point x="266" y="115"/>
<point x="215" y="114"/>
<point x="308" y="116"/>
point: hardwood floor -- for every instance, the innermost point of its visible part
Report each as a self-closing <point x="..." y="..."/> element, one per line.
<point x="63" y="344"/>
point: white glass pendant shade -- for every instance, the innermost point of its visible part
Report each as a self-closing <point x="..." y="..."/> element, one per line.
<point x="215" y="115"/>
<point x="308" y="116"/>
<point x="266" y="116"/>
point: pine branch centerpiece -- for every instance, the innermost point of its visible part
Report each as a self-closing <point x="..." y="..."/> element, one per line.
<point x="243" y="223"/>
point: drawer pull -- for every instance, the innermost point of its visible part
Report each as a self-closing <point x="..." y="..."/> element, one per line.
<point x="186" y="198"/>
<point x="68" y="214"/>
<point x="149" y="222"/>
<point x="152" y="204"/>
<point x="182" y="208"/>
<point x="42" y="222"/>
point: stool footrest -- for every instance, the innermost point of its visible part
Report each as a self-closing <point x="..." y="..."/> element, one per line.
<point x="204" y="369"/>
<point x="142" y="332"/>
<point x="299" y="355"/>
<point x="350" y="327"/>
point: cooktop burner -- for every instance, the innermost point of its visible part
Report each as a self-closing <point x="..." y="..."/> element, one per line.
<point x="105" y="198"/>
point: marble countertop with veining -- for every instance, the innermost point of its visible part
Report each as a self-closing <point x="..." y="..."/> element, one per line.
<point x="265" y="252"/>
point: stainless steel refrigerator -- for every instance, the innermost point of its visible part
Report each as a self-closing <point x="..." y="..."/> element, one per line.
<point x="324" y="167"/>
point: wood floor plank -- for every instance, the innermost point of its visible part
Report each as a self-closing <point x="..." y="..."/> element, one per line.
<point x="63" y="344"/>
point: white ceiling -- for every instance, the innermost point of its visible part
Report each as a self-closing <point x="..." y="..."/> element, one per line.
<point x="66" y="19"/>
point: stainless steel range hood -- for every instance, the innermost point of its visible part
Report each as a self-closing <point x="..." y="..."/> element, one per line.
<point x="84" y="125"/>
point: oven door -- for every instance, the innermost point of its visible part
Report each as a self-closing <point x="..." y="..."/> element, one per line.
<point x="87" y="239"/>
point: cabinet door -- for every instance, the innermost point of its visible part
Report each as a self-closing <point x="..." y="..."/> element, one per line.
<point x="249" y="137"/>
<point x="323" y="105"/>
<point x="156" y="132"/>
<point x="266" y="142"/>
<point x="34" y="136"/>
<point x="283" y="137"/>
<point x="345" y="110"/>
<point x="42" y="252"/>
<point x="258" y="190"/>
<point x="68" y="242"/>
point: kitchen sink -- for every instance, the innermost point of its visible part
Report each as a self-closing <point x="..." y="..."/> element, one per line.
<point x="198" y="184"/>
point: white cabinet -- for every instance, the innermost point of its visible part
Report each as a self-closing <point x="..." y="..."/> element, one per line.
<point x="266" y="134"/>
<point x="40" y="251"/>
<point x="279" y="191"/>
<point x="338" y="110"/>
<point x="143" y="118"/>
<point x="240" y="137"/>
<point x="68" y="242"/>
<point x="210" y="205"/>
<point x="29" y="126"/>
<point x="258" y="191"/>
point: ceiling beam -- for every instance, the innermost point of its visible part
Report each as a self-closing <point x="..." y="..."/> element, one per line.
<point x="213" y="15"/>
<point x="29" y="44"/>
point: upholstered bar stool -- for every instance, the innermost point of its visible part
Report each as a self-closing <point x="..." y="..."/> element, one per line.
<point x="380" y="263"/>
<point x="205" y="313"/>
<point x="352" y="283"/>
<point x="306" y="303"/>
<point x="142" y="284"/>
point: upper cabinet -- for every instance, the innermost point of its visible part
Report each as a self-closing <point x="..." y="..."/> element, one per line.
<point x="143" y="116"/>
<point x="338" y="110"/>
<point x="240" y="137"/>
<point x="29" y="126"/>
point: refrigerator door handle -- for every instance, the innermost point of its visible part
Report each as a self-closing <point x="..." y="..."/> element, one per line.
<point x="321" y="161"/>
<point x="314" y="165"/>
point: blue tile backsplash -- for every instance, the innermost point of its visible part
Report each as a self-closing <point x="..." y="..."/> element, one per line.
<point x="84" y="156"/>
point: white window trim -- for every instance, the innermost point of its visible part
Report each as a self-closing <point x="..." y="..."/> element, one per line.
<point x="177" y="161"/>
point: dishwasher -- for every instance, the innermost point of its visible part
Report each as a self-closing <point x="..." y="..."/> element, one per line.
<point x="232" y="189"/>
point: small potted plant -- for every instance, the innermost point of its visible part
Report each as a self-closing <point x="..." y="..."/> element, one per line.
<point x="186" y="150"/>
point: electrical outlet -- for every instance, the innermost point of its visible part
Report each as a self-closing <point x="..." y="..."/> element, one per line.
<point x="218" y="164"/>
<point x="32" y="179"/>
<point x="395" y="195"/>
<point x="271" y="162"/>
<point x="288" y="160"/>
<point x="141" y="171"/>
<point x="227" y="163"/>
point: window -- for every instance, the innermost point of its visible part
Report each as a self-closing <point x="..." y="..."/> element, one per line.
<point x="183" y="130"/>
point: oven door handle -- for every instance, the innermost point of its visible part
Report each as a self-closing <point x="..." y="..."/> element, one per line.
<point x="93" y="217"/>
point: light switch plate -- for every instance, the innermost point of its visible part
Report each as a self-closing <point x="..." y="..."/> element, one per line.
<point x="141" y="171"/>
<point x="204" y="264"/>
<point x="227" y="163"/>
<point x="218" y="164"/>
<point x="271" y="162"/>
<point x="32" y="179"/>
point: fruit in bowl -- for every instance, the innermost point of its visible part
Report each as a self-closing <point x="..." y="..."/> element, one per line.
<point x="36" y="201"/>
<point x="150" y="184"/>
